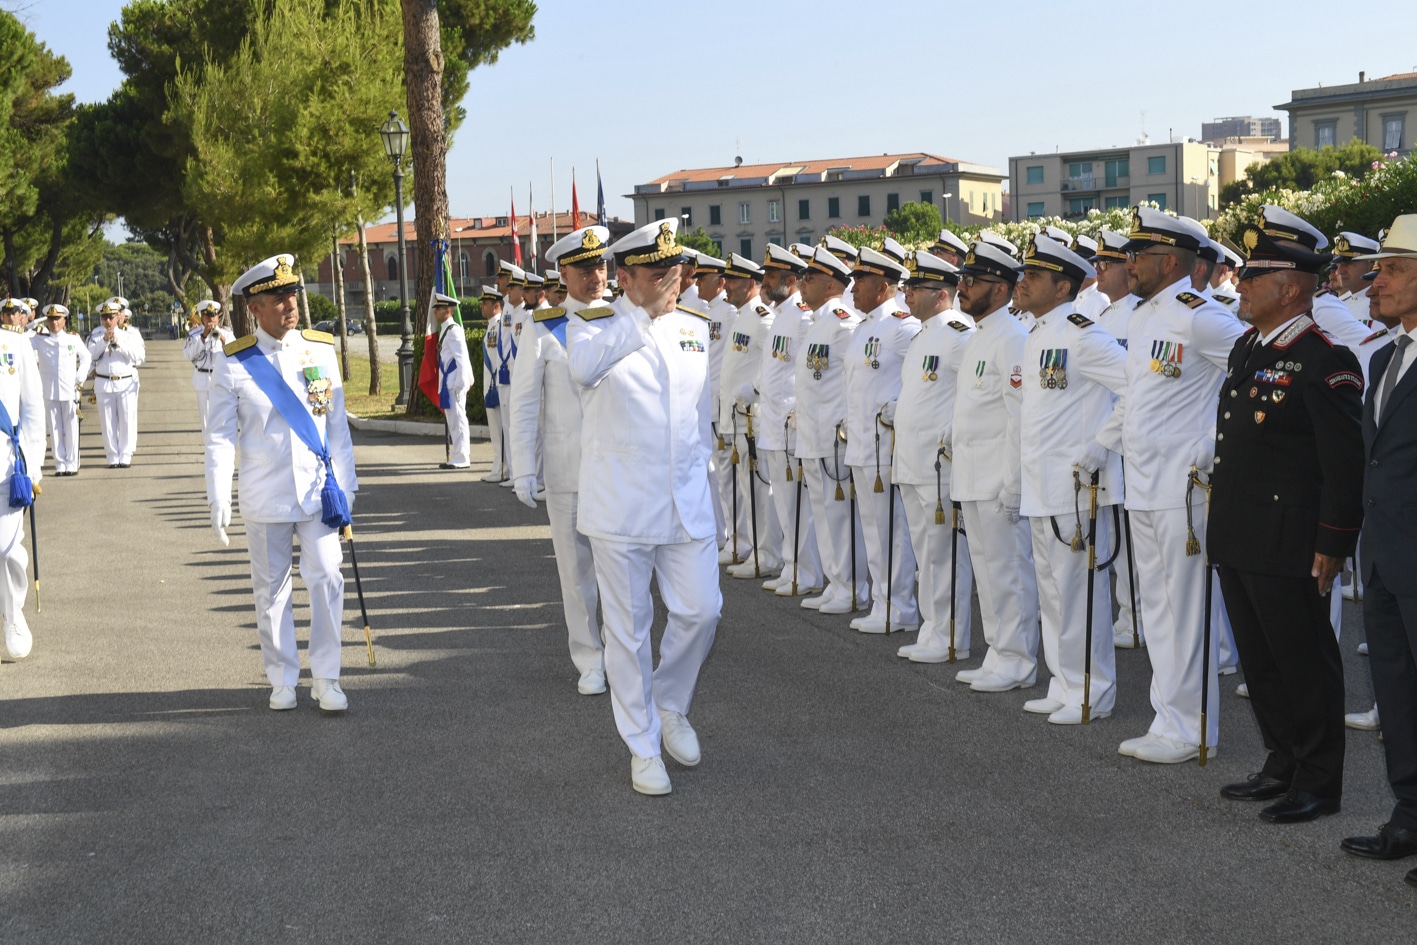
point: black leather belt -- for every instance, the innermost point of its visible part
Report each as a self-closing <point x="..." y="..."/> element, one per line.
<point x="112" y="377"/>
<point x="205" y="370"/>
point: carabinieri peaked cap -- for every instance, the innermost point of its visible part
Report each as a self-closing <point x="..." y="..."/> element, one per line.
<point x="1266" y="254"/>
<point x="584" y="247"/>
<point x="872" y="263"/>
<point x="930" y="271"/>
<point x="1043" y="252"/>
<point x="274" y="276"/>
<point x="654" y="244"/>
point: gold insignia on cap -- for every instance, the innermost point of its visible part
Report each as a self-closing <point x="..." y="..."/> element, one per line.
<point x="590" y="240"/>
<point x="1136" y="221"/>
<point x="1251" y="239"/>
<point x="283" y="276"/>
<point x="911" y="263"/>
<point x="1341" y="246"/>
<point x="969" y="259"/>
<point x="665" y="247"/>
<point x="1031" y="252"/>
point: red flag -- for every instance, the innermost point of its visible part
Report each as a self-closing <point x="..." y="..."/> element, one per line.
<point x="516" y="237"/>
<point x="575" y="204"/>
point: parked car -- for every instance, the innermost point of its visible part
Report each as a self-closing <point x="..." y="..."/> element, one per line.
<point x="330" y="325"/>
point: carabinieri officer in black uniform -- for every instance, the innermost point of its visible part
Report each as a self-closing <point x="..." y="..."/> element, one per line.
<point x="1286" y="504"/>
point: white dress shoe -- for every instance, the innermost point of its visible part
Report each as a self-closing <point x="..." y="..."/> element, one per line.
<point x="1072" y="715"/>
<point x="1164" y="750"/>
<point x="1130" y="746"/>
<point x="928" y="654"/>
<point x="879" y="626"/>
<point x="18" y="640"/>
<point x="1044" y="706"/>
<point x="282" y="698"/>
<point x="507" y="483"/>
<point x="815" y="603"/>
<point x="330" y="696"/>
<point x="968" y="676"/>
<point x="905" y="651"/>
<point x="591" y="683"/>
<point x="1229" y="669"/>
<point x="990" y="682"/>
<point x="647" y="775"/>
<point x="492" y="477"/>
<point x="679" y="738"/>
<point x="803" y="588"/>
<point x="1123" y="640"/>
<point x="1243" y="690"/>
<point x="772" y="584"/>
<point x="1348" y="592"/>
<point x="1363" y="648"/>
<point x="1363" y="721"/>
<point x="540" y="495"/>
<point x="746" y="571"/>
<point x="725" y="555"/>
<point x="836" y="605"/>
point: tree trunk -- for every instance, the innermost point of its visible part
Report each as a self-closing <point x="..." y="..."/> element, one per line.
<point x="423" y="78"/>
<point x="371" y="327"/>
<point x="304" y="304"/>
<point x="337" y="272"/>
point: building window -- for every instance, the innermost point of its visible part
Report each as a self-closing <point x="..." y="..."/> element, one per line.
<point x="1117" y="169"/>
<point x="1158" y="199"/>
<point x="1392" y="132"/>
<point x="659" y="213"/>
<point x="927" y="197"/>
<point x="489" y="264"/>
<point x="804" y="209"/>
<point x="774" y="211"/>
<point x="1081" y="169"/>
<point x="462" y="265"/>
<point x="745" y="248"/>
<point x="1156" y="165"/>
<point x="863" y="205"/>
<point x="715" y="215"/>
<point x="1115" y="203"/>
<point x="392" y="264"/>
<point x="686" y="216"/>
<point x="834" y="208"/>
<point x="1325" y="133"/>
<point x="718" y="248"/>
<point x="1033" y="174"/>
<point x="743" y="214"/>
<point x="1077" y="206"/>
<point x="1035" y="208"/>
<point x="892" y="202"/>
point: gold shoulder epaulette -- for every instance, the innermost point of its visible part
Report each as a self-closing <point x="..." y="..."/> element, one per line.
<point x="597" y="311"/>
<point x="547" y="314"/>
<point x="311" y="334"/>
<point x="1191" y="299"/>
<point x="957" y="325"/>
<point x="1079" y="319"/>
<point x="694" y="312"/>
<point x="17" y="329"/>
<point x="763" y="310"/>
<point x="240" y="344"/>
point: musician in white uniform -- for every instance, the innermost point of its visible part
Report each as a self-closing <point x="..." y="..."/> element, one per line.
<point x="117" y="351"/>
<point x="21" y="453"/>
<point x="63" y="364"/>
<point x="204" y="342"/>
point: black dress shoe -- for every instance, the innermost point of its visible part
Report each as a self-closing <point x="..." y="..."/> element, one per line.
<point x="1411" y="878"/>
<point x="1391" y="843"/>
<point x="1298" y="807"/>
<point x="446" y="466"/>
<point x="1257" y="787"/>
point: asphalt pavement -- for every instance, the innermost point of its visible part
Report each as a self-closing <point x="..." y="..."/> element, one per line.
<point x="147" y="794"/>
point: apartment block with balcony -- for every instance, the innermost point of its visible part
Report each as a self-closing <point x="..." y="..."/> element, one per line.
<point x="1381" y="112"/>
<point x="743" y="207"/>
<point x="1183" y="176"/>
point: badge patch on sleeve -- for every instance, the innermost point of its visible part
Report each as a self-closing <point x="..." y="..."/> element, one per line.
<point x="1345" y="378"/>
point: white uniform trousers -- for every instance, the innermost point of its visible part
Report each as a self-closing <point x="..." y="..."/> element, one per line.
<point x="203" y="396"/>
<point x="1127" y="619"/>
<point x="687" y="575"/>
<point x="494" y="434"/>
<point x="935" y="557"/>
<point x="877" y="510"/>
<point x="721" y="466"/>
<point x="456" y="417"/>
<point x="576" y="568"/>
<point x="1002" y="557"/>
<point x="836" y="530"/>
<point x="769" y="534"/>
<point x="1062" y="603"/>
<point x="14" y="583"/>
<point x="320" y="560"/>
<point x="784" y="500"/>
<point x="118" y="417"/>
<point x="64" y="433"/>
<point x="1173" y="607"/>
<point x="504" y="415"/>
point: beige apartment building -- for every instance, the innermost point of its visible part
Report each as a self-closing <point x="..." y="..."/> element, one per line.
<point x="1375" y="111"/>
<point x="743" y="207"/>
<point x="1182" y="176"/>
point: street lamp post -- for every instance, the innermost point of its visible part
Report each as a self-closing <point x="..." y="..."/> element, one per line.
<point x="395" y="135"/>
<point x="947" y="206"/>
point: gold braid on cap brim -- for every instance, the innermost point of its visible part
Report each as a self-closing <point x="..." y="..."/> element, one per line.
<point x="1153" y="236"/>
<point x="581" y="255"/>
<point x="1111" y="254"/>
<point x="282" y="278"/>
<point x="1034" y="262"/>
<point x="659" y="254"/>
<point x="871" y="270"/>
<point x="823" y="267"/>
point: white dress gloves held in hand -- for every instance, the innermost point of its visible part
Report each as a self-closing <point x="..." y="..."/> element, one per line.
<point x="1092" y="458"/>
<point x="221" y="520"/>
<point x="525" y="488"/>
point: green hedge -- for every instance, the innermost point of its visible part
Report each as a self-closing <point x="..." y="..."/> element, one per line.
<point x="386" y="316"/>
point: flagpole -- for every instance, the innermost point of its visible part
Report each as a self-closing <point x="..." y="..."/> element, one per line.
<point x="555" y="234"/>
<point x="531" y="234"/>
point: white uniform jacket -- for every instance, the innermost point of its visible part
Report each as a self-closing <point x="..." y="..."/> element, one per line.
<point x="491" y="352"/>
<point x="115" y="362"/>
<point x="1072" y="373"/>
<point x="742" y="361"/>
<point x="821" y="380"/>
<point x="1117" y="316"/>
<point x="925" y="409"/>
<point x="984" y="437"/>
<point x="777" y="392"/>
<point x="1091" y="302"/>
<point x="546" y="403"/>
<point x="1176" y="359"/>
<point x="1359" y="305"/>
<point x="281" y="477"/>
<point x="203" y="352"/>
<point x="720" y="316"/>
<point x="22" y="395"/>
<point x="63" y="364"/>
<point x="645" y="440"/>
<point x="1381" y="336"/>
<point x="873" y="361"/>
<point x="454" y="361"/>
<point x="1340" y="324"/>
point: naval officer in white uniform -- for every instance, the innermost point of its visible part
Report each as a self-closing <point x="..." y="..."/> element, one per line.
<point x="63" y="364"/>
<point x="285" y="485"/>
<point x="21" y="452"/>
<point x="117" y="351"/>
<point x="204" y="342"/>
<point x="454" y="380"/>
<point x="644" y="495"/>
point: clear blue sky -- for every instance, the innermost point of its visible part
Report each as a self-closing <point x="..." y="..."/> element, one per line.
<point x="685" y="86"/>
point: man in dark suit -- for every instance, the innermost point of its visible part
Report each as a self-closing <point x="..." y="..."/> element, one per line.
<point x="1286" y="504"/>
<point x="1389" y="552"/>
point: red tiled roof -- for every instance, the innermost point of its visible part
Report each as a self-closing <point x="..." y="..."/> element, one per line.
<point x="873" y="162"/>
<point x="476" y="228"/>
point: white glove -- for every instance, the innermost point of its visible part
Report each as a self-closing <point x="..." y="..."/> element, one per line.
<point x="525" y="488"/>
<point x="888" y="413"/>
<point x="1204" y="453"/>
<point x="221" y="518"/>
<point x="1008" y="505"/>
<point x="1093" y="458"/>
<point x="947" y="442"/>
<point x="746" y="393"/>
<point x="792" y="419"/>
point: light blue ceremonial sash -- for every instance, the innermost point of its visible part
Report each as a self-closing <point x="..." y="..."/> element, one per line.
<point x="445" y="398"/>
<point x="557" y="327"/>
<point x="334" y="507"/>
<point x="490" y="399"/>
<point x="21" y="488"/>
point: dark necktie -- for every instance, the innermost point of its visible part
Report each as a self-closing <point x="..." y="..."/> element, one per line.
<point x="1390" y="376"/>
